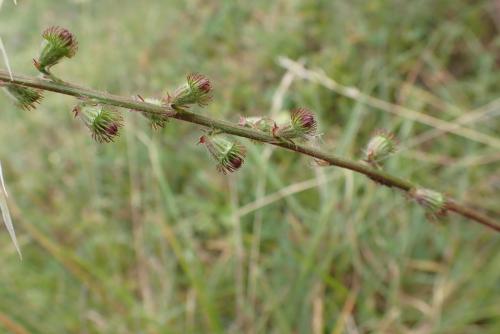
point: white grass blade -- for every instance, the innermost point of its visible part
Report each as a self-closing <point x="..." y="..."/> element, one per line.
<point x="7" y="220"/>
<point x="5" y="58"/>
<point x="2" y="182"/>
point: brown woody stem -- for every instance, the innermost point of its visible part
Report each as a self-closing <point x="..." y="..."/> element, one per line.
<point x="237" y="130"/>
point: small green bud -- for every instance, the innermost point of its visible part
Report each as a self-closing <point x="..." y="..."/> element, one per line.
<point x="380" y="147"/>
<point x="197" y="90"/>
<point x="25" y="97"/>
<point x="103" y="121"/>
<point x="264" y="124"/>
<point x="433" y="201"/>
<point x="156" y="120"/>
<point x="229" y="154"/>
<point x="303" y="125"/>
<point x="58" y="43"/>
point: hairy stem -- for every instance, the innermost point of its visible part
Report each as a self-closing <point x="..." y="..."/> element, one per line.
<point x="237" y="130"/>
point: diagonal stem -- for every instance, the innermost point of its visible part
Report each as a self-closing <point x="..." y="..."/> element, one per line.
<point x="237" y="130"/>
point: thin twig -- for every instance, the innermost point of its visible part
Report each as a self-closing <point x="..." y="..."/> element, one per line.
<point x="380" y="177"/>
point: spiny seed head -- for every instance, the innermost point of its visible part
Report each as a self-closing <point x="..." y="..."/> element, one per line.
<point x="303" y="120"/>
<point x="434" y="202"/>
<point x="59" y="43"/>
<point x="197" y="90"/>
<point x="25" y="97"/>
<point x="156" y="120"/>
<point x="103" y="122"/>
<point x="229" y="154"/>
<point x="303" y="125"/>
<point x="63" y="37"/>
<point x="380" y="147"/>
<point x="199" y="82"/>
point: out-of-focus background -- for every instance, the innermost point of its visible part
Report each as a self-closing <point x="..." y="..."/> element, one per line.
<point x="144" y="236"/>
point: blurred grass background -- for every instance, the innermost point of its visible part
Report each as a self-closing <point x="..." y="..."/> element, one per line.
<point x="144" y="236"/>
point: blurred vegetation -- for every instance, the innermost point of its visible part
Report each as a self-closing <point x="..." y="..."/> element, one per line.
<point x="144" y="236"/>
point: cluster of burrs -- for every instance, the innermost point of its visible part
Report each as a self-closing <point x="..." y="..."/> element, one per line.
<point x="105" y="122"/>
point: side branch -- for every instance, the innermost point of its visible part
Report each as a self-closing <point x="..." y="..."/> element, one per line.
<point x="237" y="130"/>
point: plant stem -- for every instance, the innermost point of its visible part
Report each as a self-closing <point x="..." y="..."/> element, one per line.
<point x="237" y="130"/>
